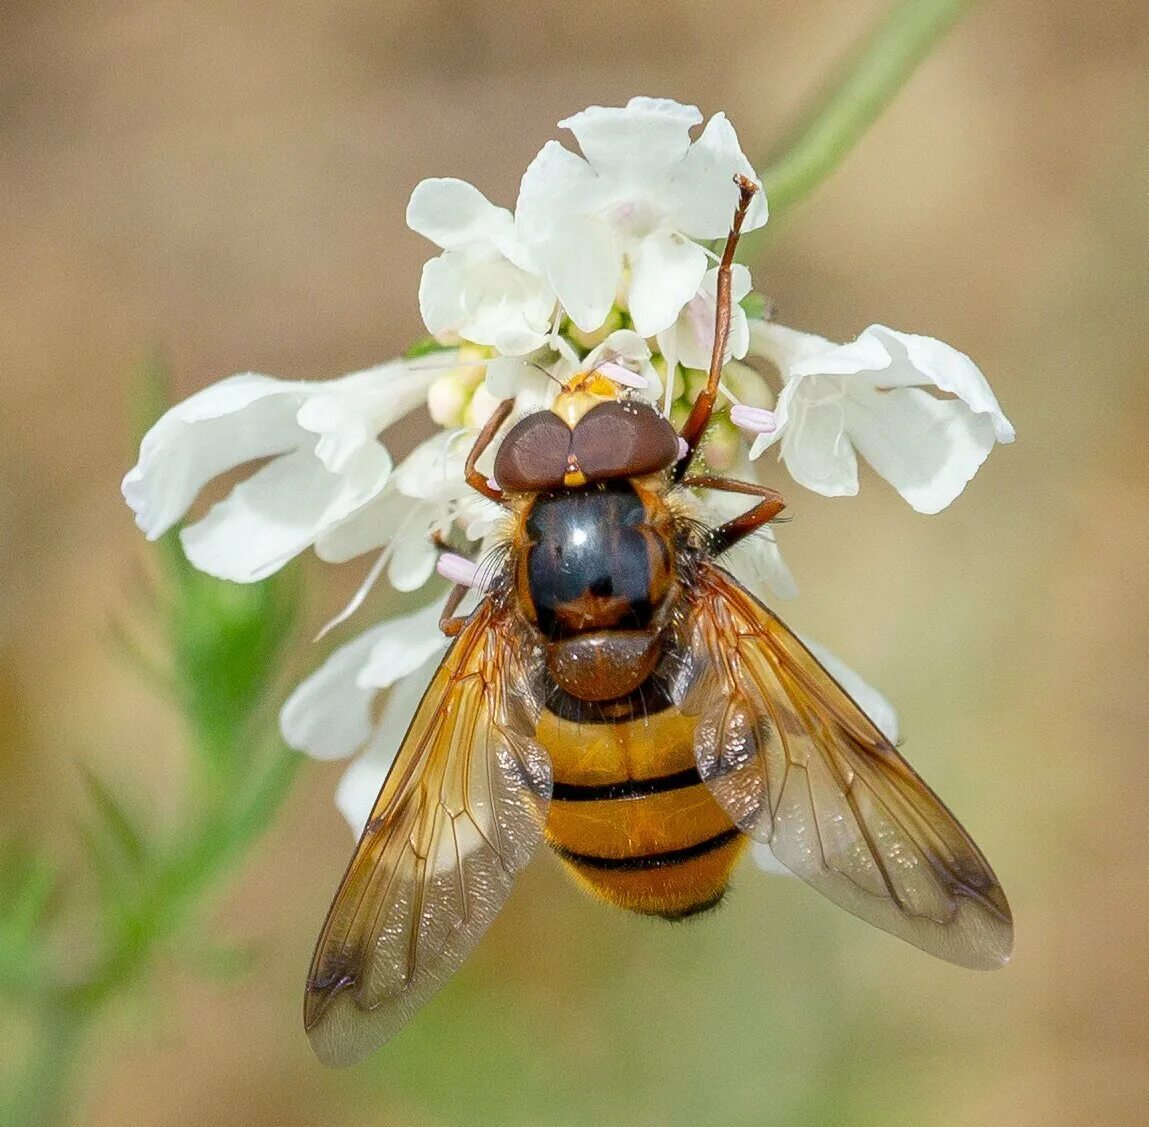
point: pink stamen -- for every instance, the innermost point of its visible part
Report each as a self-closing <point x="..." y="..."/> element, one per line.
<point x="757" y="420"/>
<point x="624" y="376"/>
<point x="458" y="569"/>
<point x="683" y="449"/>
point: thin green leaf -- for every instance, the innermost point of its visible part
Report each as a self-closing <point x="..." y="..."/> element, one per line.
<point x="428" y="346"/>
<point x="120" y="825"/>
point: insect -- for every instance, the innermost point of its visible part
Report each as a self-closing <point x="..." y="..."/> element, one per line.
<point x="619" y="695"/>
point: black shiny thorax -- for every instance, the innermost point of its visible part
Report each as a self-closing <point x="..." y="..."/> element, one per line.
<point x="593" y="560"/>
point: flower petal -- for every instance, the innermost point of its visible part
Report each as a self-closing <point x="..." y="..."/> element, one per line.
<point x="357" y="790"/>
<point x="454" y="214"/>
<point x="666" y="272"/>
<point x="926" y="448"/>
<point x="368" y="527"/>
<point x="702" y="185"/>
<point x="225" y="425"/>
<point x="919" y="360"/>
<point x="556" y="185"/>
<point x="279" y="511"/>
<point x="402" y="645"/>
<point x="328" y="716"/>
<point x="815" y="448"/>
<point x="693" y="331"/>
<point x="583" y="265"/>
<point x="648" y="134"/>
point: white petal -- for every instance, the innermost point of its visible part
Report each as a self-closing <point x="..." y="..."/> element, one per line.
<point x="483" y="297"/>
<point x="556" y="185"/>
<point x="441" y="288"/>
<point x="648" y="134"/>
<point x="358" y="789"/>
<point x="279" y="511"/>
<point x="625" y="348"/>
<point x="453" y="214"/>
<point x="786" y="348"/>
<point x="369" y="527"/>
<point x="403" y="644"/>
<point x="757" y="561"/>
<point x="926" y="448"/>
<point x="413" y="558"/>
<point x="702" y="186"/>
<point x="349" y="413"/>
<point x="871" y="702"/>
<point x="583" y="263"/>
<point x="921" y="360"/>
<point x="223" y="426"/>
<point x="328" y="716"/>
<point x="814" y="444"/>
<point x="665" y="274"/>
<point x="693" y="332"/>
<point x="507" y="376"/>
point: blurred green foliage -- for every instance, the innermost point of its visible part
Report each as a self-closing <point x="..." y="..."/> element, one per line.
<point x="222" y="644"/>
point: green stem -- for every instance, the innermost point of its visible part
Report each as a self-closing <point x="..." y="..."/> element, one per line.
<point x="218" y="842"/>
<point x="852" y="98"/>
<point x="41" y="1095"/>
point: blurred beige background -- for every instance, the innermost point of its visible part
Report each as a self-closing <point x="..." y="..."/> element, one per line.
<point x="227" y="179"/>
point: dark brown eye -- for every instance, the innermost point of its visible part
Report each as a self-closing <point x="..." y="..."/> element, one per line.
<point x="533" y="456"/>
<point x="623" y="440"/>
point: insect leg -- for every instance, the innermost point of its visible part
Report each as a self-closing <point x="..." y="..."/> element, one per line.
<point x="698" y="420"/>
<point x="727" y="535"/>
<point x="486" y="436"/>
<point x="450" y="622"/>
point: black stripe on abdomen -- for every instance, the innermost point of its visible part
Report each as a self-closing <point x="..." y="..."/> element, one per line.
<point x="625" y="788"/>
<point x="650" y="860"/>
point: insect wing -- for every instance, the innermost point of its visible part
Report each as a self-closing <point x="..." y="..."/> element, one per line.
<point x="797" y="764"/>
<point x="461" y="811"/>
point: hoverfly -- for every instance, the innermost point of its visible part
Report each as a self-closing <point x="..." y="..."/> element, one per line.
<point x="619" y="695"/>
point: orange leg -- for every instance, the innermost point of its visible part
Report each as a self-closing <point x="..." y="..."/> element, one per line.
<point x="450" y="622"/>
<point x="726" y="535"/>
<point x="698" y="420"/>
<point x="485" y="437"/>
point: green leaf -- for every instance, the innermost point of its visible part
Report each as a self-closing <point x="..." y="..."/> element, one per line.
<point x="428" y="346"/>
<point x="228" y="640"/>
<point x="27" y="892"/>
<point x="755" y="306"/>
<point x="120" y="826"/>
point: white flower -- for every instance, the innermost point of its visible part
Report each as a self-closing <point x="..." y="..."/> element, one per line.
<point x="480" y="288"/>
<point x="623" y="356"/>
<point x="427" y="493"/>
<point x="690" y="340"/>
<point x="871" y="702"/>
<point x="641" y="197"/>
<point x="329" y="716"/>
<point x="873" y="397"/>
<point x="326" y="463"/>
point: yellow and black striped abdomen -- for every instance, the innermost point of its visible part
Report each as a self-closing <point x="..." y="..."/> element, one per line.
<point x="631" y="817"/>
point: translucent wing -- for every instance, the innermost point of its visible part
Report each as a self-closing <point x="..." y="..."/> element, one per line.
<point x="459" y="814"/>
<point x="798" y="765"/>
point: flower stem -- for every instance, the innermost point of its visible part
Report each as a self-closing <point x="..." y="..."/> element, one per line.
<point x="853" y="97"/>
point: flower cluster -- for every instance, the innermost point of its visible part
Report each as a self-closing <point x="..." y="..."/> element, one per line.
<point x="607" y="262"/>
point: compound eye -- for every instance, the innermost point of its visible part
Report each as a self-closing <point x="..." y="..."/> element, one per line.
<point x="533" y="456"/>
<point x="623" y="440"/>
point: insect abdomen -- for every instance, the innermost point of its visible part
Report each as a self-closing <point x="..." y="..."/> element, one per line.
<point x="631" y="817"/>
